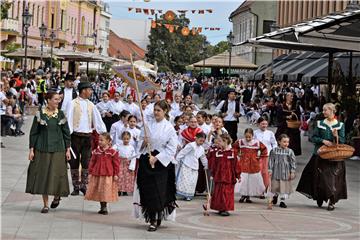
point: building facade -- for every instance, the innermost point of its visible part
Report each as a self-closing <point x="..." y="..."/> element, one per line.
<point x="71" y="21"/>
<point x="104" y="29"/>
<point x="253" y="18"/>
<point x="292" y="12"/>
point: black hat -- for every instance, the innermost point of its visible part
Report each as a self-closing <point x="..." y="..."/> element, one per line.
<point x="231" y="90"/>
<point x="69" y="77"/>
<point x="83" y="85"/>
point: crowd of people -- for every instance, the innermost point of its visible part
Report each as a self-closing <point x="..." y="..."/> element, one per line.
<point x="162" y="147"/>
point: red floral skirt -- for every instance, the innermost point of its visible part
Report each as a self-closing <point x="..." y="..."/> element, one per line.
<point x="126" y="177"/>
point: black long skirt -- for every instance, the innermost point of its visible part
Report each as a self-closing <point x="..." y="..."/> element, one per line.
<point x="157" y="189"/>
<point x="323" y="180"/>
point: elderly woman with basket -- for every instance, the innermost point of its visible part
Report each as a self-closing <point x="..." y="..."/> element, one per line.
<point x="289" y="124"/>
<point x="323" y="178"/>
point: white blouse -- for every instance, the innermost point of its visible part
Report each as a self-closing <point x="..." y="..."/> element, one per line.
<point x="115" y="132"/>
<point x="128" y="152"/>
<point x="267" y="137"/>
<point x="117" y="107"/>
<point x="162" y="137"/>
<point x="103" y="107"/>
<point x="190" y="154"/>
<point x="134" y="110"/>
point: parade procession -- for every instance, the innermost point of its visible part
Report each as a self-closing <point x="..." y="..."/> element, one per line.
<point x="155" y="119"/>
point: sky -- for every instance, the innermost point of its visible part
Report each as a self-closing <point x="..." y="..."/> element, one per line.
<point x="219" y="18"/>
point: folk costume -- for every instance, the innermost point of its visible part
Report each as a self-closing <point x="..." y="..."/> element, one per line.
<point x="250" y="154"/>
<point x="293" y="133"/>
<point x="324" y="180"/>
<point x="154" y="196"/>
<point x="83" y="117"/>
<point x="281" y="164"/>
<point x="49" y="136"/>
<point x="188" y="135"/>
<point x="103" y="166"/>
<point x="127" y="166"/>
<point x="230" y="121"/>
<point x="266" y="137"/>
<point x="187" y="170"/>
<point x="225" y="170"/>
<point x="104" y="107"/>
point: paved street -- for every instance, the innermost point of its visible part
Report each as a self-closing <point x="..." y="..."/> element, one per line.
<point x="78" y="219"/>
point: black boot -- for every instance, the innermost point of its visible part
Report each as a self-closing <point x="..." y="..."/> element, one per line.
<point x="103" y="209"/>
<point x="84" y="180"/>
<point x="75" y="181"/>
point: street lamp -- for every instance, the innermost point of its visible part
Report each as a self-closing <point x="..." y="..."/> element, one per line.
<point x="230" y="39"/>
<point x="26" y="23"/>
<point x="74" y="46"/>
<point x="42" y="29"/>
<point x="203" y="55"/>
<point x="273" y="27"/>
<point x="52" y="39"/>
<point x="100" y="49"/>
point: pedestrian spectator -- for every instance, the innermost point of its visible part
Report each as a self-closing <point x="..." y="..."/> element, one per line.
<point x="208" y="96"/>
<point x="49" y="145"/>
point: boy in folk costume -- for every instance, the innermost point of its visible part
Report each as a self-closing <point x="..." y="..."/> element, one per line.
<point x="251" y="152"/>
<point x="225" y="170"/>
<point x="82" y="116"/>
<point x="187" y="173"/>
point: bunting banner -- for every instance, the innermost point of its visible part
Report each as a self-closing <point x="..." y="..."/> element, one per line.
<point x="184" y="29"/>
<point x="125" y="73"/>
<point x="148" y="11"/>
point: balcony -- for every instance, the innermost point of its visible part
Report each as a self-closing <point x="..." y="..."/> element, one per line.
<point x="10" y="25"/>
<point x="86" y="41"/>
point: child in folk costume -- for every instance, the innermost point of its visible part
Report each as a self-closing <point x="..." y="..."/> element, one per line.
<point x="267" y="137"/>
<point x="217" y="129"/>
<point x="251" y="152"/>
<point x="188" y="134"/>
<point x="187" y="173"/>
<point x="117" y="128"/>
<point x="282" y="166"/>
<point x="225" y="170"/>
<point x="127" y="164"/>
<point x="133" y="130"/>
<point x="103" y="170"/>
<point x="178" y="122"/>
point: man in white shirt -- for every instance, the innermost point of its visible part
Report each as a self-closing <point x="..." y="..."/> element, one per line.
<point x="68" y="93"/>
<point x="230" y="111"/>
<point x="82" y="117"/>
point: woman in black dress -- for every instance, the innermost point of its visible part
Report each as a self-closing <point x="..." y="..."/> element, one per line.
<point x="289" y="111"/>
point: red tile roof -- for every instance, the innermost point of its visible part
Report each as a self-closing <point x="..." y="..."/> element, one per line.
<point x="122" y="48"/>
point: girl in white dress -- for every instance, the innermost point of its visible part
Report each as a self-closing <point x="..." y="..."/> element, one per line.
<point x="127" y="156"/>
<point x="117" y="128"/>
<point x="266" y="137"/>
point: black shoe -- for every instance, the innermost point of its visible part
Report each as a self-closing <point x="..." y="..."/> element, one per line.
<point x="331" y="207"/>
<point x="83" y="190"/>
<point x="119" y="194"/>
<point x="319" y="203"/>
<point x="2" y="145"/>
<point x="124" y="193"/>
<point x="248" y="200"/>
<point x="55" y="203"/>
<point x="275" y="199"/>
<point x="45" y="210"/>
<point x="283" y="205"/>
<point x="225" y="214"/>
<point x="21" y="133"/>
<point x="152" y="228"/>
<point x="158" y="223"/>
<point x="75" y="193"/>
<point x="242" y="199"/>
<point x="103" y="211"/>
<point x="262" y="197"/>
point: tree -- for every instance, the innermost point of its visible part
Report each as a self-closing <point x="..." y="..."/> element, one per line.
<point x="220" y="47"/>
<point x="5" y="6"/>
<point x="173" y="51"/>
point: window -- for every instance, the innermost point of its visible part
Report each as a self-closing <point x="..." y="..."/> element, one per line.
<point x="42" y="14"/>
<point x="267" y="26"/>
<point x="82" y="26"/>
<point x="75" y="26"/>
<point x="37" y="16"/>
<point x="71" y="29"/>
<point x="33" y="15"/>
<point x="250" y="28"/>
<point x="52" y="20"/>
<point x="62" y="20"/>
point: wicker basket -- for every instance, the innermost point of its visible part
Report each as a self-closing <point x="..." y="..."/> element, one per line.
<point x="293" y="123"/>
<point x="337" y="152"/>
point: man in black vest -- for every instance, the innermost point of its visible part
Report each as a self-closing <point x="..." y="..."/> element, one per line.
<point x="230" y="111"/>
<point x="68" y="93"/>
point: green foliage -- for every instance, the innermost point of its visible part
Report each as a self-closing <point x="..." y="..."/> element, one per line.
<point x="220" y="47"/>
<point x="173" y="51"/>
<point x="5" y="6"/>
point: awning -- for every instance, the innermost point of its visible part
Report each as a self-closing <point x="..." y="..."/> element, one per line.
<point x="222" y="61"/>
<point x="333" y="33"/>
<point x="31" y="53"/>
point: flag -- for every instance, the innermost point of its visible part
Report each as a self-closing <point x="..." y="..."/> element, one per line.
<point x="209" y="10"/>
<point x="199" y="29"/>
<point x="138" y="10"/>
<point x="193" y="11"/>
<point x="130" y="9"/>
<point x="125" y="72"/>
<point x="201" y="11"/>
<point x="152" y="11"/>
<point x="146" y="11"/>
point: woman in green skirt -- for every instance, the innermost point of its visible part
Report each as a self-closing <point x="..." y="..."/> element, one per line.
<point x="49" y="151"/>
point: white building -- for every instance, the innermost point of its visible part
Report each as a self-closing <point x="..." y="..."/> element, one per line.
<point x="251" y="19"/>
<point x="104" y="28"/>
<point x="136" y="30"/>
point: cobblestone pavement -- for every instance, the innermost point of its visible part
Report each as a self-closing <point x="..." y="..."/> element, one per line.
<point x="78" y="219"/>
